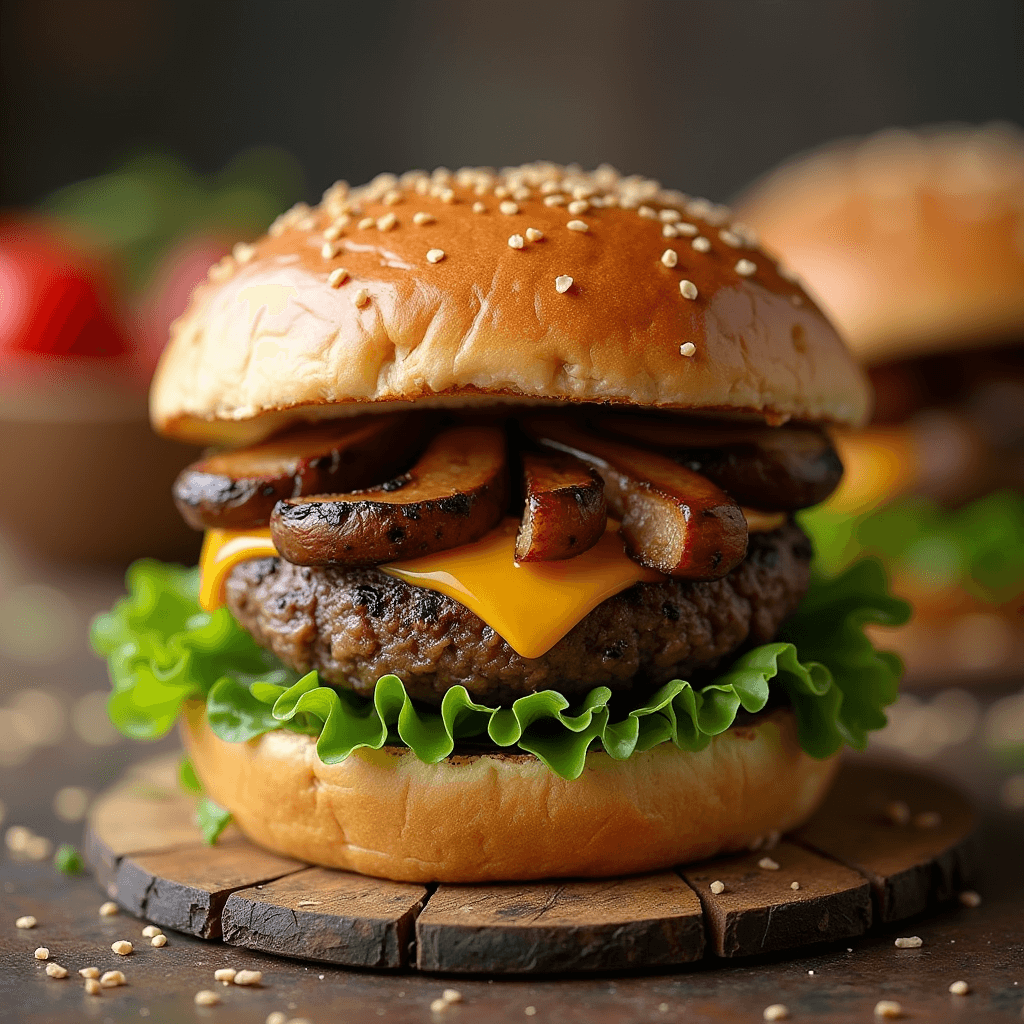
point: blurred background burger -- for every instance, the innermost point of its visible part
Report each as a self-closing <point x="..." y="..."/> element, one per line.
<point x="914" y="241"/>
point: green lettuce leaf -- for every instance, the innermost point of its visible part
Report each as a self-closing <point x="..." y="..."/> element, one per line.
<point x="979" y="547"/>
<point x="212" y="819"/>
<point x="162" y="650"/>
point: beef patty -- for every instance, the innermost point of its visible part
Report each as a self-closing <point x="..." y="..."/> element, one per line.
<point x="355" y="625"/>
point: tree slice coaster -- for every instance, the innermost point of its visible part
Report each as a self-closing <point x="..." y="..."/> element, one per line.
<point x="910" y="866"/>
<point x="331" y="916"/>
<point x="760" y="912"/>
<point x="853" y="865"/>
<point x="648" y="921"/>
<point x="186" y="889"/>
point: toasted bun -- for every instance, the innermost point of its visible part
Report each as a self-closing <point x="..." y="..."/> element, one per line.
<point x="913" y="241"/>
<point x="269" y="339"/>
<point x="503" y="817"/>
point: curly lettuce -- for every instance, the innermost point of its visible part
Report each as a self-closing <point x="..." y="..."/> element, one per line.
<point x="163" y="650"/>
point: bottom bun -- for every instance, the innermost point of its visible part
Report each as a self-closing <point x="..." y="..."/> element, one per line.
<point x="502" y="817"/>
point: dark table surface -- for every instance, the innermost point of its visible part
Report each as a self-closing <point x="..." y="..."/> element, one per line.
<point x="56" y="750"/>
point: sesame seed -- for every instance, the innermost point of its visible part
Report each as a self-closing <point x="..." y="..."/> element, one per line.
<point x="910" y="942"/>
<point x="150" y="930"/>
<point x="158" y="941"/>
<point x="667" y="231"/>
<point x="111" y="979"/>
<point x="500" y="191"/>
<point x="28" y="921"/>
<point x="337" y="277"/>
<point x="387" y="222"/>
<point x="888" y="1008"/>
<point x="646" y="211"/>
<point x="330" y="233"/>
<point x="438" y="1006"/>
<point x="479" y="208"/>
<point x="794" y="886"/>
<point x="670" y="257"/>
<point x="686" y="230"/>
<point x="89" y="972"/>
<point x="306" y="224"/>
<point x="277" y="1017"/>
<point x="533" y="235"/>
<point x="959" y="988"/>
<point x="508" y="208"/>
<point x="669" y="216"/>
<point x="248" y="977"/>
<point x="329" y="250"/>
<point x="530" y="1011"/>
<point x="42" y="953"/>
<point x="578" y="225"/>
<point x="928" y="819"/>
<point x="522" y="193"/>
<point x="392" y="197"/>
<point x="435" y="255"/>
<point x="582" y="192"/>
<point x="897" y="812"/>
<point x="687" y="349"/>
<point x="56" y="971"/>
<point x="366" y="222"/>
<point x="423" y="186"/>
<point x="716" y="886"/>
<point x="730" y="239"/>
<point x="516" y="242"/>
<point x="221" y="271"/>
<point x="767" y="864"/>
<point x="563" y="284"/>
<point x="225" y="974"/>
<point x="970" y="898"/>
<point x="687" y="289"/>
<point x="243" y="252"/>
<point x="361" y="298"/>
<point x="701" y="244"/>
<point x="423" y="218"/>
<point x="554" y="200"/>
<point x="447" y="195"/>
<point x="204" y="997"/>
<point x="578" y="206"/>
<point x="745" y="268"/>
<point x="451" y="995"/>
<point x="122" y="947"/>
<point x="776" y="1012"/>
<point x="93" y="987"/>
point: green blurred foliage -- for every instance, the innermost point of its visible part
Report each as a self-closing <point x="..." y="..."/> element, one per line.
<point x="979" y="547"/>
<point x="137" y="211"/>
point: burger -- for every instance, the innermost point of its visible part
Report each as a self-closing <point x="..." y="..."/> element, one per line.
<point x="500" y="577"/>
<point x="914" y="242"/>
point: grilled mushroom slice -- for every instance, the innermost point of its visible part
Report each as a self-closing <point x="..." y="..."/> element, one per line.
<point x="779" y="468"/>
<point x="565" y="512"/>
<point x="237" y="490"/>
<point x="455" y="493"/>
<point x="673" y="520"/>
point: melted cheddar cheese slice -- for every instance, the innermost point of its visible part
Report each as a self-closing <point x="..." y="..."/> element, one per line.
<point x="530" y="605"/>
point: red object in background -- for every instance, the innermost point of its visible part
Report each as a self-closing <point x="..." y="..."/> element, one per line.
<point x="54" y="299"/>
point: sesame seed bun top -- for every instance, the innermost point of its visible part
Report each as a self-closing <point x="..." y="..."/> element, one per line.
<point x="537" y="284"/>
<point x="913" y="241"/>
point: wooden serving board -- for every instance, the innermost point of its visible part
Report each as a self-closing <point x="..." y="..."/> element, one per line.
<point x="854" y="867"/>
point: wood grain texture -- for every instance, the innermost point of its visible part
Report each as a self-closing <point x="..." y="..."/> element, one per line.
<point x="330" y="916"/>
<point x="760" y="912"/>
<point x="186" y="889"/>
<point x="649" y="921"/>
<point x="909" y="866"/>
